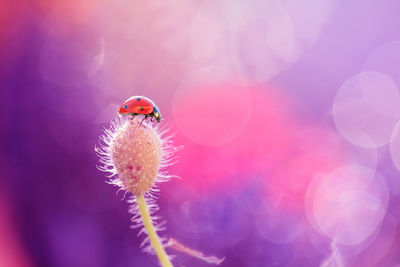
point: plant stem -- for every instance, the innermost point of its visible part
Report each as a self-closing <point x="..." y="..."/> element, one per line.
<point x="151" y="232"/>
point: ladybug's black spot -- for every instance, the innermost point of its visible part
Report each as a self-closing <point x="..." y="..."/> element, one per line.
<point x="141" y="108"/>
<point x="138" y="99"/>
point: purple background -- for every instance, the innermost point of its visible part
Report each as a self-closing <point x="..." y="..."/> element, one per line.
<point x="287" y="162"/>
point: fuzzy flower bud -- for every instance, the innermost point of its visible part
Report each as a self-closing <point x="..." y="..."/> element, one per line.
<point x="137" y="153"/>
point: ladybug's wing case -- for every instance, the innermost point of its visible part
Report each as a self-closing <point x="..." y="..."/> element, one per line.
<point x="140" y="105"/>
<point x="142" y="110"/>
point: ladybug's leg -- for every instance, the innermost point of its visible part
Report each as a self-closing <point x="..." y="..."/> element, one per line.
<point x="145" y="117"/>
<point x="132" y="116"/>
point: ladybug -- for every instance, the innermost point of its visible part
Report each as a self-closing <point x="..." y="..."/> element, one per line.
<point x="140" y="105"/>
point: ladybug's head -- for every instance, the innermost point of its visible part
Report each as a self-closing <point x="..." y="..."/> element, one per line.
<point x="156" y="113"/>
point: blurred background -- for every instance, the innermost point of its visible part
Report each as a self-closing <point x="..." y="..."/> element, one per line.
<point x="289" y="112"/>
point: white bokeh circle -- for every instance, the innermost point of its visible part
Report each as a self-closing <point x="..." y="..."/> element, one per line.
<point x="251" y="41"/>
<point x="386" y="59"/>
<point x="348" y="204"/>
<point x="358" y="117"/>
<point x="309" y="18"/>
<point x="380" y="92"/>
<point x="395" y="146"/>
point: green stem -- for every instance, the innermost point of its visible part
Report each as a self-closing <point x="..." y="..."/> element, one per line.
<point x="151" y="232"/>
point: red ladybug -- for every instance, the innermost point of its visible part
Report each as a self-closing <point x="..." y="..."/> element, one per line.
<point x="140" y="105"/>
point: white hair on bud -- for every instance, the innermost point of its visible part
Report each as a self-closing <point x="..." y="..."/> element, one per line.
<point x="126" y="145"/>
